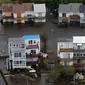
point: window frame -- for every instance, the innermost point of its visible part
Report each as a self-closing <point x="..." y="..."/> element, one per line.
<point x="40" y="14"/>
<point x="19" y="54"/>
<point x="31" y="41"/>
<point x="34" y="41"/>
<point x="63" y="14"/>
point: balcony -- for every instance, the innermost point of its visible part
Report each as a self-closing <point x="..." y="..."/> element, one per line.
<point x="66" y="59"/>
<point x="79" y="65"/>
<point x="80" y="57"/>
<point x="77" y="50"/>
<point x="32" y="47"/>
<point x="66" y="50"/>
<point x="33" y="55"/>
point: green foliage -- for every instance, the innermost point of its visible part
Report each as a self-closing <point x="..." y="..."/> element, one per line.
<point x="59" y="70"/>
<point x="4" y="1"/>
<point x="68" y="71"/>
<point x="46" y="1"/>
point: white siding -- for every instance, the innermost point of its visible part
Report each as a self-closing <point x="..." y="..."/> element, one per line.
<point x="29" y="13"/>
<point x="79" y="39"/>
<point x="39" y="7"/>
<point x="81" y="15"/>
<point x="69" y="63"/>
<point x="81" y="47"/>
<point x="17" y="49"/>
<point x="82" y="18"/>
<point x="22" y="21"/>
<point x="67" y="14"/>
<point x="76" y="13"/>
<point x="29" y="50"/>
<point x="15" y="21"/>
<point x="60" y="14"/>
<point x="63" y="45"/>
<point x="65" y="54"/>
<point x="36" y="14"/>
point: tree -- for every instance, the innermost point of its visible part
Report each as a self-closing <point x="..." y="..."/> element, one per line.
<point x="44" y="40"/>
<point x="61" y="73"/>
<point x="4" y="1"/>
<point x="68" y="72"/>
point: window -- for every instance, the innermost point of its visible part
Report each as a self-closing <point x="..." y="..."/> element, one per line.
<point x="84" y="55"/>
<point x="78" y="61"/>
<point x="10" y="53"/>
<point x="31" y="42"/>
<point x="19" y="54"/>
<point x="17" y="45"/>
<point x="77" y="54"/>
<point x="10" y="44"/>
<point x="17" y="62"/>
<point x="84" y="15"/>
<point x="64" y="15"/>
<point x="78" y="47"/>
<point x="15" y="55"/>
<point x="33" y="51"/>
<point x="68" y="55"/>
<point x="0" y="11"/>
<point x="74" y="54"/>
<point x="34" y="41"/>
<point x="14" y="45"/>
<point x="66" y="63"/>
<point x="80" y="55"/>
<point x="61" y="46"/>
<point x="40" y="14"/>
<point x="22" y="45"/>
<point x="20" y="62"/>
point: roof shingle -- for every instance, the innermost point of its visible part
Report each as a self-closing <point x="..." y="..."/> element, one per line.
<point x="82" y="9"/>
<point x="64" y="8"/>
<point x="7" y="7"/>
<point x="27" y="6"/>
<point x="18" y="8"/>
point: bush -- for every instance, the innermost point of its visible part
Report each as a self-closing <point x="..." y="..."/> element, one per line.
<point x="61" y="71"/>
<point x="68" y="70"/>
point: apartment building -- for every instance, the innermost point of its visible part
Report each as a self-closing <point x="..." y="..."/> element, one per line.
<point x="64" y="14"/>
<point x="79" y="52"/>
<point x="7" y="14"/>
<point x="39" y="13"/>
<point x="23" y="52"/>
<point x="32" y="43"/>
<point x="82" y="15"/>
<point x="65" y="52"/>
<point x="29" y="13"/>
<point x="75" y="13"/>
<point x="18" y="13"/>
<point x="17" y="56"/>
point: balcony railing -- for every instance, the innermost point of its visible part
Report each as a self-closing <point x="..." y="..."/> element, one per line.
<point x="80" y="57"/>
<point x="79" y="65"/>
<point x="76" y="50"/>
<point x="66" y="50"/>
<point x="66" y="59"/>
